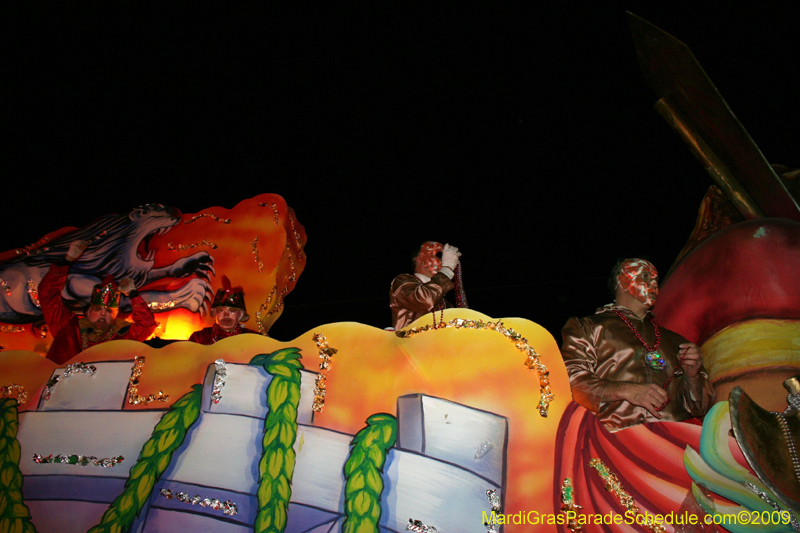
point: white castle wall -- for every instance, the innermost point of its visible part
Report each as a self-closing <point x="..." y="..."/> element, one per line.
<point x="446" y="457"/>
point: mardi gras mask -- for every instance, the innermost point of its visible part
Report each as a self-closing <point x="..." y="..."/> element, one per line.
<point x="639" y="278"/>
<point x="429" y="258"/>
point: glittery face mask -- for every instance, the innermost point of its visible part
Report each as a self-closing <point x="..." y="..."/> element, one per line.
<point x="427" y="260"/>
<point x="639" y="278"/>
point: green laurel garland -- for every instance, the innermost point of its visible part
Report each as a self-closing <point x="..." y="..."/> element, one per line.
<point x="280" y="431"/>
<point x="14" y="514"/>
<point x="154" y="458"/>
<point x="363" y="473"/>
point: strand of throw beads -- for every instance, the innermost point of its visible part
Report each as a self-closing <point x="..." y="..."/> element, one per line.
<point x="793" y="401"/>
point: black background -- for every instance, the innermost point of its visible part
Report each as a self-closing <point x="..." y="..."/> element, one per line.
<point x="522" y="133"/>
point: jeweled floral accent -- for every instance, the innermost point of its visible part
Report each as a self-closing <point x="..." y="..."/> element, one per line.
<point x="274" y="208"/>
<point x="182" y="247"/>
<point x="259" y="262"/>
<point x="133" y="389"/>
<point x="78" y="460"/>
<point x="4" y="285"/>
<point x="325" y="353"/>
<point x="227" y="507"/>
<point x="568" y="505"/>
<point x="8" y="391"/>
<point x="158" y="306"/>
<point x="208" y="215"/>
<point x="219" y="380"/>
<point x="33" y="292"/>
<point x="613" y="485"/>
<point x="532" y="360"/>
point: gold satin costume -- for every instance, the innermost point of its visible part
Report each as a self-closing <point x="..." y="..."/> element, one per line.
<point x="410" y="298"/>
<point x="601" y="348"/>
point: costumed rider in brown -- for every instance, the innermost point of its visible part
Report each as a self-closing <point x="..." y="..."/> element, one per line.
<point x="229" y="311"/>
<point x="100" y="324"/>
<point x="412" y="296"/>
<point x="627" y="369"/>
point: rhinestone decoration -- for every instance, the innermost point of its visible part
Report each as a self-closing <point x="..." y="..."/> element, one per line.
<point x="568" y="504"/>
<point x="418" y="527"/>
<point x="227" y="507"/>
<point x="274" y="208"/>
<point x="79" y="368"/>
<point x="219" y="380"/>
<point x="34" y="293"/>
<point x="483" y="449"/>
<point x="78" y="460"/>
<point x="772" y="503"/>
<point x="9" y="390"/>
<point x="259" y="262"/>
<point x="532" y="361"/>
<point x="133" y="389"/>
<point x="158" y="306"/>
<point x="325" y="353"/>
<point x="613" y="485"/>
<point x="655" y="360"/>
<point x="182" y="247"/>
<point x="208" y="215"/>
<point x="789" y="443"/>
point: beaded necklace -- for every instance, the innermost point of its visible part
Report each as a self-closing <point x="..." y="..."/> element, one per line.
<point x="654" y="359"/>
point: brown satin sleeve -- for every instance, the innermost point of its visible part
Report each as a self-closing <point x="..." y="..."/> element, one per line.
<point x="410" y="298"/>
<point x="580" y="358"/>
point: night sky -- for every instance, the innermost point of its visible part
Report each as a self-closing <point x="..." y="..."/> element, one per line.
<point x="524" y="135"/>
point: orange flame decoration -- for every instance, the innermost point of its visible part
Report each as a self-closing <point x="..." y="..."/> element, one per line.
<point x="280" y="239"/>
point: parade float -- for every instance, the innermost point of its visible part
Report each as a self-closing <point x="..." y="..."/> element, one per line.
<point x="458" y="423"/>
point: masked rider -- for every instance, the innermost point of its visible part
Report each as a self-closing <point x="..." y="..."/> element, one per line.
<point x="622" y="364"/>
<point x="100" y="323"/>
<point x="413" y="295"/>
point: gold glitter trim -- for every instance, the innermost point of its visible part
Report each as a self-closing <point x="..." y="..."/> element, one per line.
<point x="182" y="247"/>
<point x="208" y="215"/>
<point x="133" y="390"/>
<point x="158" y="306"/>
<point x="568" y="505"/>
<point x="274" y="208"/>
<point x="293" y="277"/>
<point x="34" y="293"/>
<point x="4" y="328"/>
<point x="532" y="360"/>
<point x="325" y="353"/>
<point x="296" y="237"/>
<point x="613" y="485"/>
<point x="9" y="390"/>
<point x="258" y="261"/>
